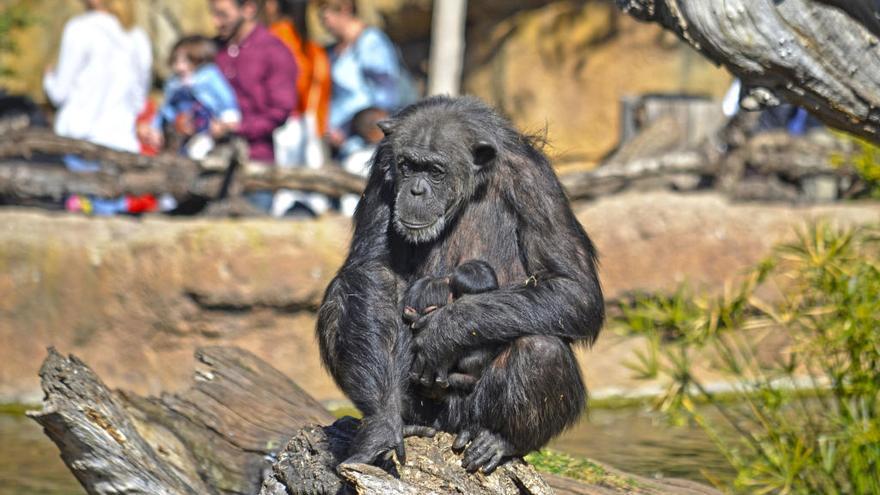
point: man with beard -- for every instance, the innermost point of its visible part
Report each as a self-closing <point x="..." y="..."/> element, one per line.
<point x="260" y="69"/>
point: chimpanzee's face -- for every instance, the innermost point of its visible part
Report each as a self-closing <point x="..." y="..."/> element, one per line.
<point x="436" y="172"/>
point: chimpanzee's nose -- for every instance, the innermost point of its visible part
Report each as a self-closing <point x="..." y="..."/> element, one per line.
<point x="418" y="188"/>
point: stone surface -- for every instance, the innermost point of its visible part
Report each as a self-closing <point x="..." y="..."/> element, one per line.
<point x="134" y="298"/>
<point x="164" y="287"/>
<point x="566" y="66"/>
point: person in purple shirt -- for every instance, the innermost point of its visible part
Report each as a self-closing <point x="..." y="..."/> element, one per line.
<point x="260" y="69"/>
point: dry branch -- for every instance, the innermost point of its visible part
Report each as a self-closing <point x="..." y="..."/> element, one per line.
<point x="613" y="177"/>
<point x="823" y="55"/>
<point x="26" y="171"/>
<point x="35" y="142"/>
<point x="213" y="438"/>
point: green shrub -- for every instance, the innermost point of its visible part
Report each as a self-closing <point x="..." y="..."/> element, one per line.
<point x="805" y="420"/>
<point x="865" y="161"/>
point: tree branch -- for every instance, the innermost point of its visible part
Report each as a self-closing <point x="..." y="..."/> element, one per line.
<point x="823" y="55"/>
<point x="29" y="168"/>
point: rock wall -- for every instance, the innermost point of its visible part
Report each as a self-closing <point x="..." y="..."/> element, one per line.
<point x="562" y="65"/>
<point x="134" y="298"/>
<point x="564" y="68"/>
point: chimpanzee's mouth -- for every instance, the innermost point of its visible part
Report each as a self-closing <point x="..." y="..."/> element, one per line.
<point x="417" y="226"/>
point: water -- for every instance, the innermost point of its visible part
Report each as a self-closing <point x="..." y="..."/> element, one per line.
<point x="633" y="440"/>
<point x="29" y="462"/>
<point x="638" y="441"/>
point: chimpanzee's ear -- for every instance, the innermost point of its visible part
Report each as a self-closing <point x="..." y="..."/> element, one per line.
<point x="387" y="126"/>
<point x="484" y="152"/>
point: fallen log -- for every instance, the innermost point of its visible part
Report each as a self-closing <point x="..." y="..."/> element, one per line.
<point x="244" y="428"/>
<point x="30" y="142"/>
<point x="29" y="168"/>
<point x="767" y="155"/>
<point x="614" y="177"/>
<point x="308" y="466"/>
<point x="823" y="55"/>
<point x="215" y="437"/>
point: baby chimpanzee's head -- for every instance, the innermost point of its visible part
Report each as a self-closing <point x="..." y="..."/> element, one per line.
<point x="472" y="277"/>
<point x="429" y="293"/>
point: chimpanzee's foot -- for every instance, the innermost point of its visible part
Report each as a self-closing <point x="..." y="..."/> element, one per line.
<point x="377" y="437"/>
<point x="418" y="431"/>
<point x="486" y="451"/>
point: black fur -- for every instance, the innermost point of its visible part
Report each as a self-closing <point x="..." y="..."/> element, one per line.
<point x="453" y="181"/>
<point x="428" y="294"/>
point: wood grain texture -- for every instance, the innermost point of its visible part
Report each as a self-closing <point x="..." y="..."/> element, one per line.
<point x="216" y="437"/>
<point x="30" y="167"/>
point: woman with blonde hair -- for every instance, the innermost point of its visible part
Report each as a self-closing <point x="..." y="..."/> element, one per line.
<point x="102" y="77"/>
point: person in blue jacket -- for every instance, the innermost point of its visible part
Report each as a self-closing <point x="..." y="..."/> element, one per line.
<point x="199" y="104"/>
<point x="364" y="67"/>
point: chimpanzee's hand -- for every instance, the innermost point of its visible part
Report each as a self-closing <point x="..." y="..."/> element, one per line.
<point x="377" y="435"/>
<point x="432" y="355"/>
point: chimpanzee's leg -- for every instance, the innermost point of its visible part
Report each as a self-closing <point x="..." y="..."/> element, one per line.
<point x="530" y="393"/>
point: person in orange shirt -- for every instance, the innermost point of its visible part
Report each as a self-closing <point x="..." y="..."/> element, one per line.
<point x="287" y="21"/>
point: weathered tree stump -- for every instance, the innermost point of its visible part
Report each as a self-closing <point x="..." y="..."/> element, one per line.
<point x="216" y="437"/>
<point x="224" y="435"/>
<point x="307" y="466"/>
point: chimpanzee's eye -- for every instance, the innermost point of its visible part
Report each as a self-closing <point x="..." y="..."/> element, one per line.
<point x="437" y="172"/>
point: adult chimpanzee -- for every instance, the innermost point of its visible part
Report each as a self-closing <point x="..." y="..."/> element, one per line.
<point x="453" y="181"/>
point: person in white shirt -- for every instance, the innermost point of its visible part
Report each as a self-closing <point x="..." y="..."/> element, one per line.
<point x="101" y="81"/>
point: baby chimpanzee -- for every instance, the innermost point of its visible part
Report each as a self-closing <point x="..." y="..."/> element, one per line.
<point x="430" y="293"/>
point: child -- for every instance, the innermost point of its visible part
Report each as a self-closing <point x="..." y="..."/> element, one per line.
<point x="199" y="104"/>
<point x="357" y="152"/>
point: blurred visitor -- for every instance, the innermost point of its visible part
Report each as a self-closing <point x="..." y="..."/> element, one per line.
<point x="134" y="205"/>
<point x="144" y="120"/>
<point x="199" y="105"/>
<point x="299" y="142"/>
<point x="365" y="69"/>
<point x="260" y="69"/>
<point x="262" y="72"/>
<point x="101" y="80"/>
<point x="730" y="103"/>
<point x="363" y="143"/>
<point x="19" y="112"/>
<point x="287" y="21"/>
<point x="100" y="85"/>
<point x="794" y="119"/>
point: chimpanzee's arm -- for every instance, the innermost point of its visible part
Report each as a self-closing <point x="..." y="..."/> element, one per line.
<point x="361" y="335"/>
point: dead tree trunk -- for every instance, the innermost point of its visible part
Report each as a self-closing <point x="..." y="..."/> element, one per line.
<point x="224" y="435"/>
<point x="823" y="55"/>
<point x="216" y="437"/>
<point x="307" y="466"/>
